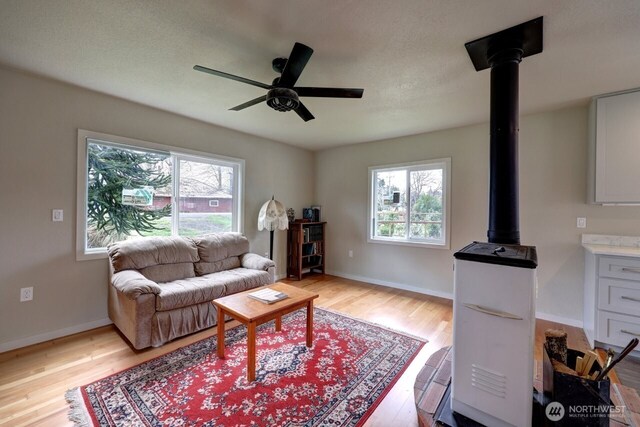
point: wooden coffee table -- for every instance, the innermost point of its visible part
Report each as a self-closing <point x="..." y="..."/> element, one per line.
<point x="253" y="313"/>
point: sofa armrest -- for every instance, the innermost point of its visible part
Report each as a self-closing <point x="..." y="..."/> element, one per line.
<point x="256" y="262"/>
<point x="133" y="284"/>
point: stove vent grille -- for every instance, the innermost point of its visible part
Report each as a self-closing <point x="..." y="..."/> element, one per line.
<point x="489" y="381"/>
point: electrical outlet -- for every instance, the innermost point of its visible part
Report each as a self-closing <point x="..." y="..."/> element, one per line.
<point x="57" y="215"/>
<point x="350" y="253"/>
<point x="26" y="294"/>
<point x="581" y="222"/>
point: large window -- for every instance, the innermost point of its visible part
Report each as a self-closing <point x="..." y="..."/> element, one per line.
<point x="129" y="189"/>
<point x="409" y="203"/>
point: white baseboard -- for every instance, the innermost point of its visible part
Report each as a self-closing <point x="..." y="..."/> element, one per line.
<point x="559" y="319"/>
<point x="402" y="286"/>
<point x="36" y="339"/>
<point x="446" y="295"/>
<point x="47" y="336"/>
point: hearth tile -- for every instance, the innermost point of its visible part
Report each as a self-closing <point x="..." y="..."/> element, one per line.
<point x="437" y="357"/>
<point x="449" y="355"/>
<point x="443" y="376"/>
<point x="432" y="397"/>
<point x="426" y="373"/>
<point x="630" y="397"/>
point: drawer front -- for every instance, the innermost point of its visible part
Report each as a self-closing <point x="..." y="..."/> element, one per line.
<point x="621" y="296"/>
<point x="619" y="268"/>
<point x="617" y="329"/>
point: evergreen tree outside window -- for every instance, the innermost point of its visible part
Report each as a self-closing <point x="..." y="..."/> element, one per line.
<point x="121" y="186"/>
<point x="409" y="203"/>
<point x="130" y="189"/>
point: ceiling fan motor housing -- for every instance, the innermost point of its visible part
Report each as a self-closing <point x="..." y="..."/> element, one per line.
<point x="282" y="99"/>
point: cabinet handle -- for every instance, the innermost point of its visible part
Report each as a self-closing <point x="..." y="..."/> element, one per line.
<point x="492" y="312"/>
<point x="630" y="298"/>
<point x="630" y="270"/>
<point x="630" y="333"/>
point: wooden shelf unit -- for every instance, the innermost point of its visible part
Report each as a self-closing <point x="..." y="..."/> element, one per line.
<point x="305" y="248"/>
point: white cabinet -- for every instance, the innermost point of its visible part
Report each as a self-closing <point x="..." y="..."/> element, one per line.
<point x="612" y="299"/>
<point x="617" y="148"/>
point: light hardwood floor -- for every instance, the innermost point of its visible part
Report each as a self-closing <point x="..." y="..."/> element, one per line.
<point x="33" y="379"/>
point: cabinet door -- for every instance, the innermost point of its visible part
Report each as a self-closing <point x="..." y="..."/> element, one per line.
<point x="620" y="296"/>
<point x="617" y="329"/>
<point x="618" y="148"/>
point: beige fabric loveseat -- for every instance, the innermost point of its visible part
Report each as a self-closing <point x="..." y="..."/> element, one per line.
<point x="161" y="288"/>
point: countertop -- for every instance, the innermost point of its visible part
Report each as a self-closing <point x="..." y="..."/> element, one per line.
<point x="612" y="245"/>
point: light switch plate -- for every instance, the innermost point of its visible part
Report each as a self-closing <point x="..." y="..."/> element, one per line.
<point x="57" y="215"/>
<point x="581" y="222"/>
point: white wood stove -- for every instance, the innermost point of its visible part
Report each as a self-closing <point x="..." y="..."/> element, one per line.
<point x="494" y="332"/>
<point x="495" y="282"/>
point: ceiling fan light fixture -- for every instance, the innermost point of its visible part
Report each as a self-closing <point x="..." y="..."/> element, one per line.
<point x="283" y="94"/>
<point x="282" y="99"/>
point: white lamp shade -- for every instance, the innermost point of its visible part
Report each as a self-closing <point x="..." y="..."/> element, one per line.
<point x="273" y="216"/>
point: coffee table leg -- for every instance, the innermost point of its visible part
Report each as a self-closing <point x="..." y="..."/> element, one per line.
<point x="278" y="323"/>
<point x="220" y="333"/>
<point x="251" y="351"/>
<point x="310" y="323"/>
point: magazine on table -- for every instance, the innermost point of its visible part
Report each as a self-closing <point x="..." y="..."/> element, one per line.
<point x="268" y="295"/>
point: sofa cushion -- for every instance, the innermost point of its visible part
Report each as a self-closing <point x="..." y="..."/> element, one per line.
<point x="255" y="261"/>
<point x="145" y="252"/>
<point x="241" y="279"/>
<point x="218" y="246"/>
<point x="203" y="268"/>
<point x="168" y="272"/>
<point x="186" y="292"/>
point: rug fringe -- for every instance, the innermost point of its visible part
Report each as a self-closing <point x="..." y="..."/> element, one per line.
<point x="78" y="414"/>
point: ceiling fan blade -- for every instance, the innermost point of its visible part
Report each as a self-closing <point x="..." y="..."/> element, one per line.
<point x="304" y="113"/>
<point x="231" y="76"/>
<point x="249" y="103"/>
<point x="298" y="59"/>
<point x="329" y="92"/>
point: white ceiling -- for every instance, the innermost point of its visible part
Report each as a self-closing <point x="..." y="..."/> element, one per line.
<point x="408" y="55"/>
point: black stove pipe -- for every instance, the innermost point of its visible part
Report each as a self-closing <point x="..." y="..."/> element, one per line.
<point x="503" y="185"/>
<point x="502" y="52"/>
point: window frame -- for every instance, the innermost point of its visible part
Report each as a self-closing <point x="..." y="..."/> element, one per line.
<point x="441" y="163"/>
<point x="178" y="153"/>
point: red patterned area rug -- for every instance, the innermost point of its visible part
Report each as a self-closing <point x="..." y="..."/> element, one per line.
<point x="338" y="382"/>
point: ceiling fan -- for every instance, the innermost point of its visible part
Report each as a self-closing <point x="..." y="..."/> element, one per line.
<point x="282" y="95"/>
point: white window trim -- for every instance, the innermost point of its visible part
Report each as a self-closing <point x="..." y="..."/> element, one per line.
<point x="181" y="153"/>
<point x="214" y="205"/>
<point x="445" y="163"/>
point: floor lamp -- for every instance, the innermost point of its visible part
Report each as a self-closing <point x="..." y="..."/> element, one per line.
<point x="272" y="216"/>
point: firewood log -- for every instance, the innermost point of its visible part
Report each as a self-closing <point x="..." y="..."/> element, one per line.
<point x="556" y="340"/>
<point x="561" y="367"/>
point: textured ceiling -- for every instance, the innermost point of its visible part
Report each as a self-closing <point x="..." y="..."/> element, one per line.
<point x="408" y="55"/>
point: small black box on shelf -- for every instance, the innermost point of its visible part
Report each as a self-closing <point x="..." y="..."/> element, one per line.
<point x="307" y="213"/>
<point x="316" y="213"/>
<point x="312" y="214"/>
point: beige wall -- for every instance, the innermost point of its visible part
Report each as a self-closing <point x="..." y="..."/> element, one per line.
<point x="39" y="119"/>
<point x="553" y="181"/>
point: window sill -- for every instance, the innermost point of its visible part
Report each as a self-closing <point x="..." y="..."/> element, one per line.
<point x="425" y="245"/>
<point x="87" y="256"/>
